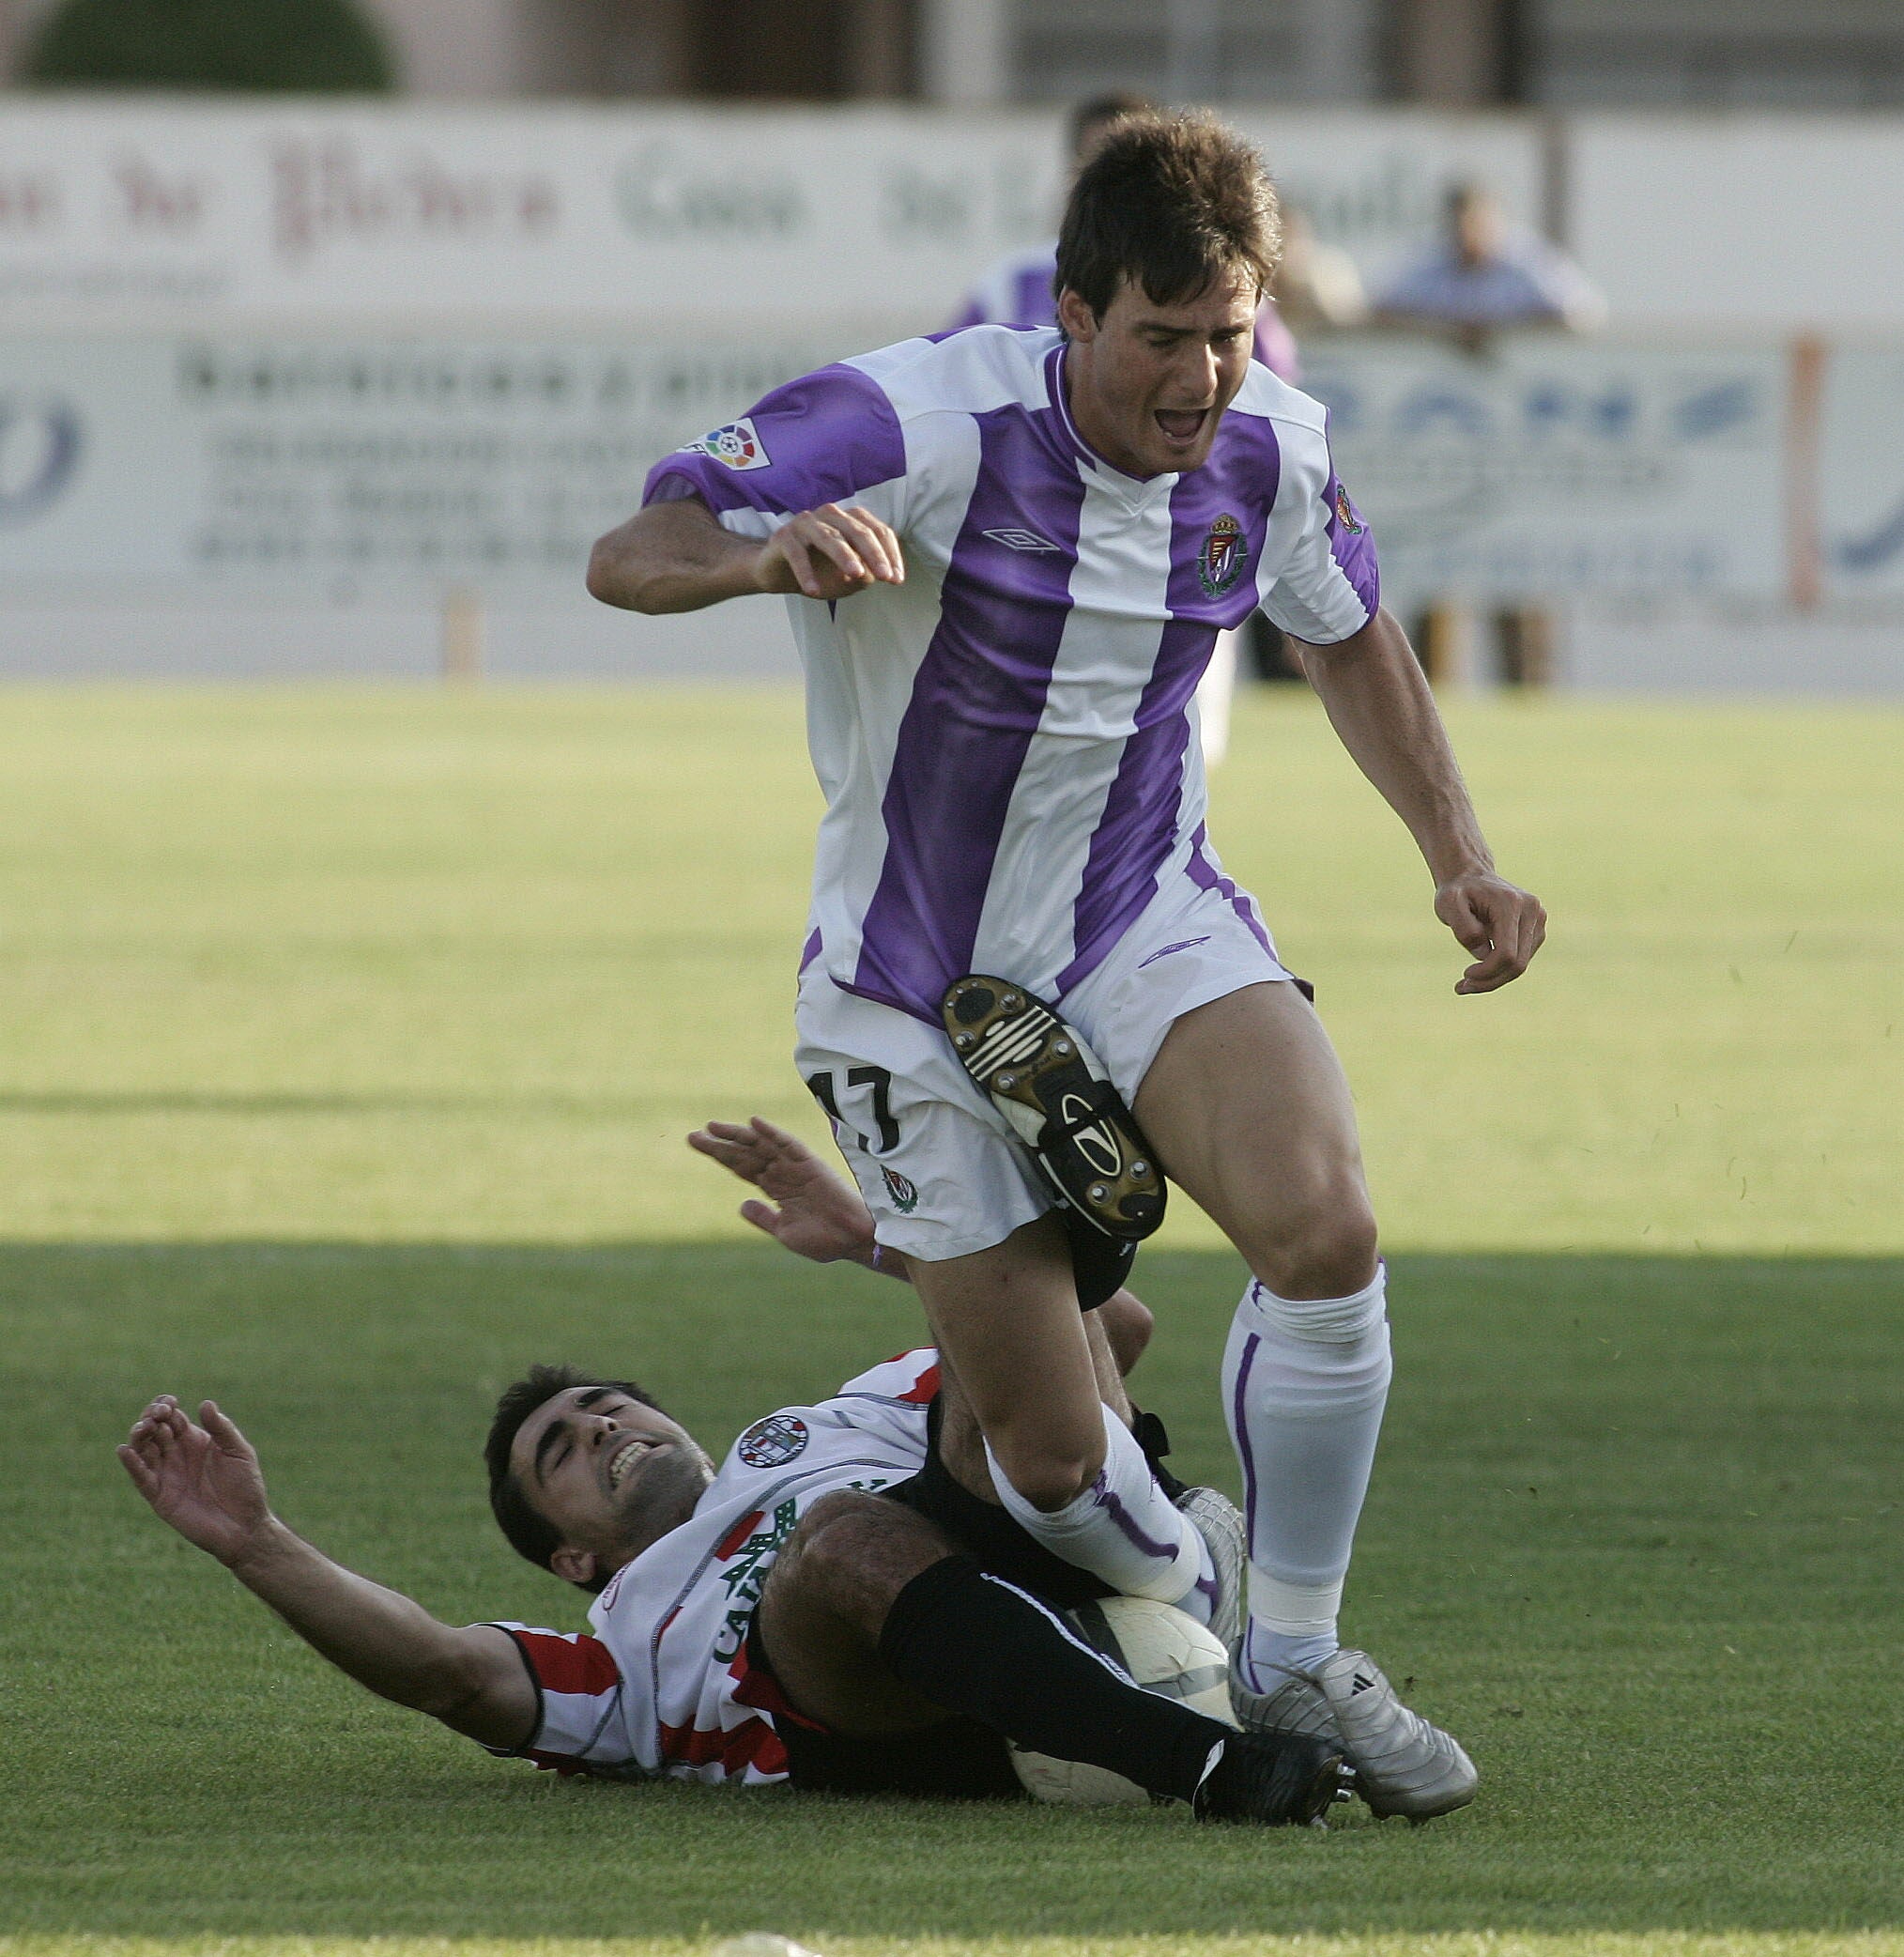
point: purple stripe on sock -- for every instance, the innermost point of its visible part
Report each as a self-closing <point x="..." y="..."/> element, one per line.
<point x="1131" y="1532"/>
<point x="1207" y="876"/>
<point x="978" y="700"/>
<point x="1239" y="1403"/>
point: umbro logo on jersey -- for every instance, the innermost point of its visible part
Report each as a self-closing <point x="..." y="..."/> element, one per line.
<point x="1181" y="945"/>
<point x="1021" y="539"/>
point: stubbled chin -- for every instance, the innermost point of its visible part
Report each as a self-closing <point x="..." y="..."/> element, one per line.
<point x="661" y="1492"/>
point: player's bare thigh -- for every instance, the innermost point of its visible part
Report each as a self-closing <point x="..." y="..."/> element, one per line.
<point x="825" y="1604"/>
<point x="1006" y="1320"/>
<point x="1249" y="1110"/>
<point x="1115" y="1333"/>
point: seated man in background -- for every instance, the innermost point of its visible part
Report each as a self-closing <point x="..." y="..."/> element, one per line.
<point x="775" y="1619"/>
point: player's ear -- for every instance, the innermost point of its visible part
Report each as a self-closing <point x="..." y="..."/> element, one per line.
<point x="574" y="1565"/>
<point x="1076" y="316"/>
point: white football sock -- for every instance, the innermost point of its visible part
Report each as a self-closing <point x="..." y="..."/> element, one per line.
<point x="1304" y="1384"/>
<point x="1123" y="1528"/>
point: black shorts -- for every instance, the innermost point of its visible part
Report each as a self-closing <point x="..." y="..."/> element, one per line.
<point x="957" y="1760"/>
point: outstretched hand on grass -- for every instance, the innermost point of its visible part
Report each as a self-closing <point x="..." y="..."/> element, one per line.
<point x="205" y="1481"/>
<point x="811" y="1212"/>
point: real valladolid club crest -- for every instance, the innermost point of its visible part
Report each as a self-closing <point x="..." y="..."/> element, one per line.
<point x="773" y="1441"/>
<point x="1220" y="563"/>
<point x="738" y="445"/>
<point x="904" y="1193"/>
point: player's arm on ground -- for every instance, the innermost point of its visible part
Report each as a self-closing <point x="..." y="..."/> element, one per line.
<point x="1380" y="705"/>
<point x="205" y="1481"/>
<point x="675" y="556"/>
<point x="819" y="1215"/>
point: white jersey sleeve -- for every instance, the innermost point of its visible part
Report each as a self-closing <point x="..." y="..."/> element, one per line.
<point x="578" y="1723"/>
<point x="1328" y="586"/>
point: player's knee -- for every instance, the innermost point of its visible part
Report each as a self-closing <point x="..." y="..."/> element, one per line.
<point x="1050" y="1479"/>
<point x="1327" y="1252"/>
<point x="853" y="1552"/>
<point x="1128" y="1326"/>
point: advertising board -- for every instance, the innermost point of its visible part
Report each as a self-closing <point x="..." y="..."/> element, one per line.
<point x="749" y="221"/>
<point x="1552" y="466"/>
<point x="356" y="461"/>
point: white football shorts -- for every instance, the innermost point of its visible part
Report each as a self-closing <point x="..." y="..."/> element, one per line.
<point x="940" y="1167"/>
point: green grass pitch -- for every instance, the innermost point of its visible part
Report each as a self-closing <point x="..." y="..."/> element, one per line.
<point x="348" y="1038"/>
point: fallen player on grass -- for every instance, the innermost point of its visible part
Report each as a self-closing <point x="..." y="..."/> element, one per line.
<point x="776" y="1619"/>
<point x="782" y="1618"/>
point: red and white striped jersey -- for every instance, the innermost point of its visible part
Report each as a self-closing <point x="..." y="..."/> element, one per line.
<point x="660" y="1686"/>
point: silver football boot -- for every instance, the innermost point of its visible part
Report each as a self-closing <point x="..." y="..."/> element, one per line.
<point x="1403" y="1764"/>
<point x="1219" y="1522"/>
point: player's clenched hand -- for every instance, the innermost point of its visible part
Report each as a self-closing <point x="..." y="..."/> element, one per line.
<point x="819" y="1215"/>
<point x="1502" y="924"/>
<point x="203" y="1480"/>
<point x="831" y="553"/>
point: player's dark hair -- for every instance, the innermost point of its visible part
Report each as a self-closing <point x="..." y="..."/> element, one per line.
<point x="529" y="1532"/>
<point x="1113" y="106"/>
<point x="1172" y="203"/>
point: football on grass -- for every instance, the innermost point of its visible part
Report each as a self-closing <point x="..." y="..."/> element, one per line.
<point x="1166" y="1652"/>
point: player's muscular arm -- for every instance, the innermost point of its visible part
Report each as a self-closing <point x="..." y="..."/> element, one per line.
<point x="676" y="557"/>
<point x="206" y="1483"/>
<point x="1379" y="703"/>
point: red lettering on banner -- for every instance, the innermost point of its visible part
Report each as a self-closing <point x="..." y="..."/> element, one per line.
<point x="28" y="203"/>
<point x="149" y="201"/>
<point x="325" y="193"/>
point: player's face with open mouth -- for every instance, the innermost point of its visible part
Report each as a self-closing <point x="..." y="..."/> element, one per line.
<point x="609" y="1474"/>
<point x="1149" y="383"/>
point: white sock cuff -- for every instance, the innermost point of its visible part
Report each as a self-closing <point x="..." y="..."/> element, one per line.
<point x="1295" y="1609"/>
<point x="1335" y="1321"/>
<point x="1122" y="1528"/>
<point x="1122" y="1457"/>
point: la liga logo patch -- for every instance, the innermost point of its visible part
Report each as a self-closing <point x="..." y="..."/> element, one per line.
<point x="773" y="1441"/>
<point x="1220" y="562"/>
<point x="1346" y="514"/>
<point x="738" y="445"/>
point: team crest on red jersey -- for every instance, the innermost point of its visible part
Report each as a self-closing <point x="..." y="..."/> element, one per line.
<point x="1220" y="563"/>
<point x="773" y="1441"/>
<point x="902" y="1189"/>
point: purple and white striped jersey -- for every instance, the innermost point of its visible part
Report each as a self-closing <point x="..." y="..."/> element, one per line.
<point x="1005" y="740"/>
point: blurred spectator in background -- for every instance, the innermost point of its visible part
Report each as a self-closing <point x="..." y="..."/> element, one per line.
<point x="1018" y="291"/>
<point x="1318" y="288"/>
<point x="1483" y="274"/>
